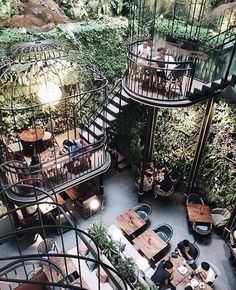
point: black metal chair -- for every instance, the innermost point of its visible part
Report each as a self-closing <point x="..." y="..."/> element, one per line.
<point x="164" y="231"/>
<point x="194" y="198"/>
<point x="143" y="210"/>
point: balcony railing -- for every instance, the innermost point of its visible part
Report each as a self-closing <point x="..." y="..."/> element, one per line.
<point x="157" y="82"/>
<point x="56" y="169"/>
<point x="38" y="258"/>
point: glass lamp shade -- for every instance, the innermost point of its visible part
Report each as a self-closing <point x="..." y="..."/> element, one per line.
<point x="49" y="93"/>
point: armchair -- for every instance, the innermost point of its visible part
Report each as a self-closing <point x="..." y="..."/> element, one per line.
<point x="220" y="217"/>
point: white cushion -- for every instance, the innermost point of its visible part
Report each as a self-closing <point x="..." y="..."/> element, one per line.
<point x="47" y="136"/>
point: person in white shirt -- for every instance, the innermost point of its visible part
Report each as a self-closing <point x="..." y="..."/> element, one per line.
<point x="206" y="273"/>
<point x="143" y="54"/>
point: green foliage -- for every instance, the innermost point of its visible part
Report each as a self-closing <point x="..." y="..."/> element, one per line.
<point x="175" y="142"/>
<point x="103" y="41"/>
<point x="180" y="29"/>
<point x="218" y="173"/>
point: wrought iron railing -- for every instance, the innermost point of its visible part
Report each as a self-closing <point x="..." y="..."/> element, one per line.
<point x="37" y="258"/>
<point x="57" y="171"/>
<point x="175" y="77"/>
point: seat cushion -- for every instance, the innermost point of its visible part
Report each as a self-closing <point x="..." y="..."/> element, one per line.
<point x="142" y="214"/>
<point x="162" y="235"/>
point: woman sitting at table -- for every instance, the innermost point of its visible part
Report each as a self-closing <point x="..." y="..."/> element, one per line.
<point x="163" y="275"/>
<point x="206" y="273"/>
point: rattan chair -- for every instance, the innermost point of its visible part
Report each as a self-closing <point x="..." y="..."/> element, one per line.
<point x="164" y="231"/>
<point x="143" y="210"/>
<point x="220" y="217"/>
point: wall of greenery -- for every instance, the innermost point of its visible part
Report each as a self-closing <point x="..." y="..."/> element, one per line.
<point x="176" y="138"/>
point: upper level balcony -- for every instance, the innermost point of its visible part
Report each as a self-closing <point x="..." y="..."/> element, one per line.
<point x="183" y="77"/>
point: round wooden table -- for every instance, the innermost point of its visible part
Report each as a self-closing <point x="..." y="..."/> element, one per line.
<point x="31" y="135"/>
<point x="31" y="140"/>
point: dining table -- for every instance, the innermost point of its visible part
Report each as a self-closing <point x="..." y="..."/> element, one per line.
<point x="129" y="221"/>
<point x="149" y="243"/>
<point x="199" y="213"/>
<point x="181" y="269"/>
<point x="194" y="280"/>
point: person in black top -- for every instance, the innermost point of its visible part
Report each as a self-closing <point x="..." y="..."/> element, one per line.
<point x="162" y="275"/>
<point x="188" y="252"/>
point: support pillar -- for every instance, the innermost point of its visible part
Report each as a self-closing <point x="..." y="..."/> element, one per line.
<point x="101" y="186"/>
<point x="148" y="146"/>
<point x="203" y="135"/>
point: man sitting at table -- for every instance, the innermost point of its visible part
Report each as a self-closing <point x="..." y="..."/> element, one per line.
<point x="206" y="273"/>
<point x="163" y="275"/>
<point x="188" y="252"/>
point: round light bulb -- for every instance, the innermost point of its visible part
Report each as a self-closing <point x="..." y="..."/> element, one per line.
<point x="49" y="93"/>
<point x="94" y="204"/>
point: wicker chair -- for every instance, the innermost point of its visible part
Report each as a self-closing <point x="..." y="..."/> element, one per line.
<point x="164" y="231"/>
<point x="220" y="217"/>
<point x="143" y="210"/>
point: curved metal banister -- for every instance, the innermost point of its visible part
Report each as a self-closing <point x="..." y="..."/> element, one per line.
<point x="13" y="169"/>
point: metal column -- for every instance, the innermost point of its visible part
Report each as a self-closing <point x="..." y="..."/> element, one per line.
<point x="148" y="146"/>
<point x="203" y="135"/>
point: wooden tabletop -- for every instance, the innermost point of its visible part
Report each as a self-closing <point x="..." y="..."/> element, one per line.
<point x="176" y="275"/>
<point x="149" y="243"/>
<point x="66" y="264"/>
<point x="186" y="280"/>
<point x="31" y="135"/>
<point x="199" y="213"/>
<point x="129" y="221"/>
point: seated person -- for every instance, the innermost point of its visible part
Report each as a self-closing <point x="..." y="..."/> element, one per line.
<point x="157" y="74"/>
<point x="206" y="273"/>
<point x="163" y="274"/>
<point x="187" y="251"/>
<point x="73" y="147"/>
<point x="147" y="180"/>
<point x="143" y="52"/>
<point x="165" y="184"/>
<point x="77" y="149"/>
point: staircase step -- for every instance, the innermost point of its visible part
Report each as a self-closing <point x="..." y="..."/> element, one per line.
<point x="88" y="137"/>
<point x="95" y="130"/>
<point x="100" y="123"/>
<point x="119" y="101"/>
<point x="108" y="118"/>
<point x="113" y="108"/>
<point x="124" y="96"/>
<point x="217" y="84"/>
<point x="107" y="110"/>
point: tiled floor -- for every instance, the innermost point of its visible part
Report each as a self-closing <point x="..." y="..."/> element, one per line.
<point x="120" y="194"/>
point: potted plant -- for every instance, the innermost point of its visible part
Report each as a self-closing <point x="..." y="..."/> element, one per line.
<point x="126" y="268"/>
<point x="99" y="233"/>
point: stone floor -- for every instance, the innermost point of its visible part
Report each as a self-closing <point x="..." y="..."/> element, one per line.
<point x="120" y="194"/>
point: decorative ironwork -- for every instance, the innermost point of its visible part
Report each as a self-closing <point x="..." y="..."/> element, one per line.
<point x="48" y="94"/>
<point x="38" y="257"/>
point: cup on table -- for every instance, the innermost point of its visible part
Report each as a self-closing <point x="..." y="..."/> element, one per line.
<point x="202" y="285"/>
<point x="184" y="262"/>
